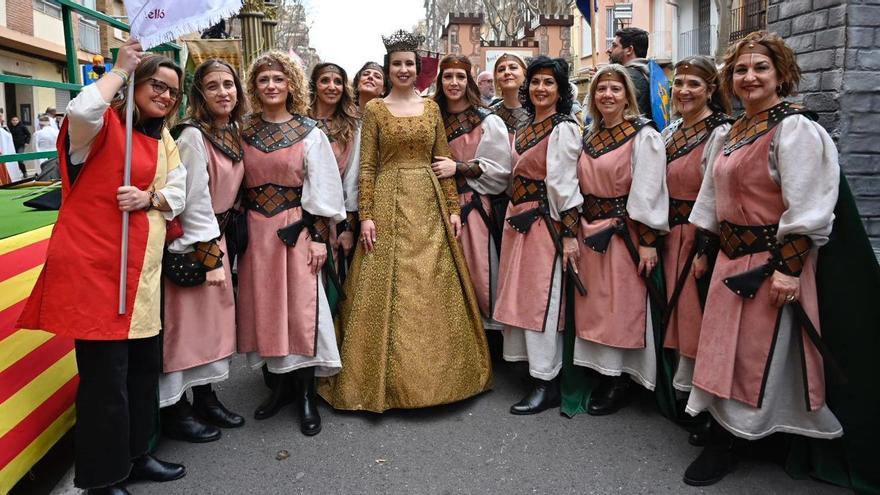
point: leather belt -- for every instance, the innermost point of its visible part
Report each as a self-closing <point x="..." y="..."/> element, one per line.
<point x="224" y="218"/>
<point x="679" y="211"/>
<point x="272" y="199"/>
<point x="461" y="185"/>
<point x="740" y="240"/>
<point x="597" y="208"/>
<point x="525" y="189"/>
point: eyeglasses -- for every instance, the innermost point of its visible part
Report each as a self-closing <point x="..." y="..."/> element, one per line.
<point x="159" y="88"/>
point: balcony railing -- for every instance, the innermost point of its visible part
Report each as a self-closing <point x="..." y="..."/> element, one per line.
<point x="89" y="37"/>
<point x="700" y="41"/>
<point x="749" y="18"/>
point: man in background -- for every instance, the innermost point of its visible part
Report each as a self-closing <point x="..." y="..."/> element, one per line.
<point x="21" y="136"/>
<point x="50" y="111"/>
<point x="486" y="83"/>
<point x="630" y="49"/>
<point x="45" y="137"/>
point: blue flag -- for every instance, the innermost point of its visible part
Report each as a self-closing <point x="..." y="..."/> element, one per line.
<point x="659" y="95"/>
<point x="584" y="7"/>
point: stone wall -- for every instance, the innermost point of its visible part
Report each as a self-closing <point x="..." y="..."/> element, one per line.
<point x="838" y="48"/>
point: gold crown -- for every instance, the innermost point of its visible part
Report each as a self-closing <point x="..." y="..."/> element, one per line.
<point x="402" y="41"/>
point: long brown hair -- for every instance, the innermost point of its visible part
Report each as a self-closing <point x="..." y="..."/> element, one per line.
<point x="147" y="68"/>
<point x="197" y="107"/>
<point x="472" y="91"/>
<point x="705" y="70"/>
<point x="343" y="123"/>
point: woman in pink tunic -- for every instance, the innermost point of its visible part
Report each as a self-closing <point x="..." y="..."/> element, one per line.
<point x="539" y="238"/>
<point x="622" y="176"/>
<point x="199" y="321"/>
<point x="336" y="114"/>
<point x="692" y="142"/>
<point x="480" y="164"/>
<point x="293" y="194"/>
<point x="770" y="197"/>
<point x="510" y="73"/>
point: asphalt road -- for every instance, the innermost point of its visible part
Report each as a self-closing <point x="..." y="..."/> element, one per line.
<point x="471" y="447"/>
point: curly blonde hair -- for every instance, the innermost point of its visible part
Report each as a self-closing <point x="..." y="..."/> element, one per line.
<point x="297" y="85"/>
<point x="788" y="72"/>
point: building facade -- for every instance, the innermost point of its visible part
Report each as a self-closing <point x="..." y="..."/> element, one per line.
<point x="32" y="41"/>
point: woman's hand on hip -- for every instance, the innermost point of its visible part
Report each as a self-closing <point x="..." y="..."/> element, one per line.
<point x="570" y="252"/>
<point x="784" y="289"/>
<point x="455" y="220"/>
<point x="700" y="266"/>
<point x="368" y="235"/>
<point x="131" y="198"/>
<point x="346" y="241"/>
<point x="647" y="260"/>
<point x="443" y="167"/>
<point x="317" y="256"/>
<point x="217" y="276"/>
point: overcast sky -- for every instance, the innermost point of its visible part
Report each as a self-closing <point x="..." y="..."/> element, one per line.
<point x="348" y="32"/>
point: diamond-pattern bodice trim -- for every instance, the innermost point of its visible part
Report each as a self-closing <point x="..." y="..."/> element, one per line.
<point x="270" y="136"/>
<point x="684" y="139"/>
<point x="746" y="130"/>
<point x="598" y="143"/>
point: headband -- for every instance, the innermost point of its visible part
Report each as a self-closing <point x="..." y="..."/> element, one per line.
<point x="509" y="56"/>
<point x="755" y="47"/>
<point x="688" y="67"/>
<point x="330" y="68"/>
<point x="217" y="66"/>
<point x="268" y="64"/>
<point x="373" y="66"/>
<point x="612" y="75"/>
<point x="455" y="64"/>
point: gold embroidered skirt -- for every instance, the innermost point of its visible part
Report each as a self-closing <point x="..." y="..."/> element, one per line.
<point x="410" y="330"/>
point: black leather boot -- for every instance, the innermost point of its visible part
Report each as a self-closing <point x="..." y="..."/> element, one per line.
<point x="180" y="423"/>
<point x="699" y="435"/>
<point x="148" y="468"/>
<point x="307" y="402"/>
<point x="108" y="490"/>
<point x="544" y="395"/>
<point x="208" y="407"/>
<point x="279" y="397"/>
<point x="611" y="396"/>
<point x="714" y="462"/>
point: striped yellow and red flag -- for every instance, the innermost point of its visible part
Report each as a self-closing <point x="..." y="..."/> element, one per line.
<point x="38" y="377"/>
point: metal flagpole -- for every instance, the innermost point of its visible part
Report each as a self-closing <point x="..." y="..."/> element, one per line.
<point x="594" y="26"/>
<point x="126" y="181"/>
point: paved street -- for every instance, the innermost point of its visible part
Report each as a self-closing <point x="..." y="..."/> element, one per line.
<point x="470" y="447"/>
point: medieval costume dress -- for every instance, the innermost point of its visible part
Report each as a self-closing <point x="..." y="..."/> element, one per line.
<point x="478" y="140"/>
<point x="689" y="151"/>
<point x="514" y="118"/>
<point x="293" y="196"/>
<point x="545" y="199"/>
<point x="770" y="196"/>
<point x="411" y="330"/>
<point x="199" y="322"/>
<point x="118" y="356"/>
<point x="347" y="157"/>
<point x="622" y="176"/>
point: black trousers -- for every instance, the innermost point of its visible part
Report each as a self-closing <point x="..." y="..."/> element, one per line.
<point x="117" y="404"/>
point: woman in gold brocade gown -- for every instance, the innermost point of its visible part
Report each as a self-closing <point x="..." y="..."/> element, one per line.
<point x="411" y="330"/>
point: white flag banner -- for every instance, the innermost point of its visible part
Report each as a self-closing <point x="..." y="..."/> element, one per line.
<point x="154" y="22"/>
